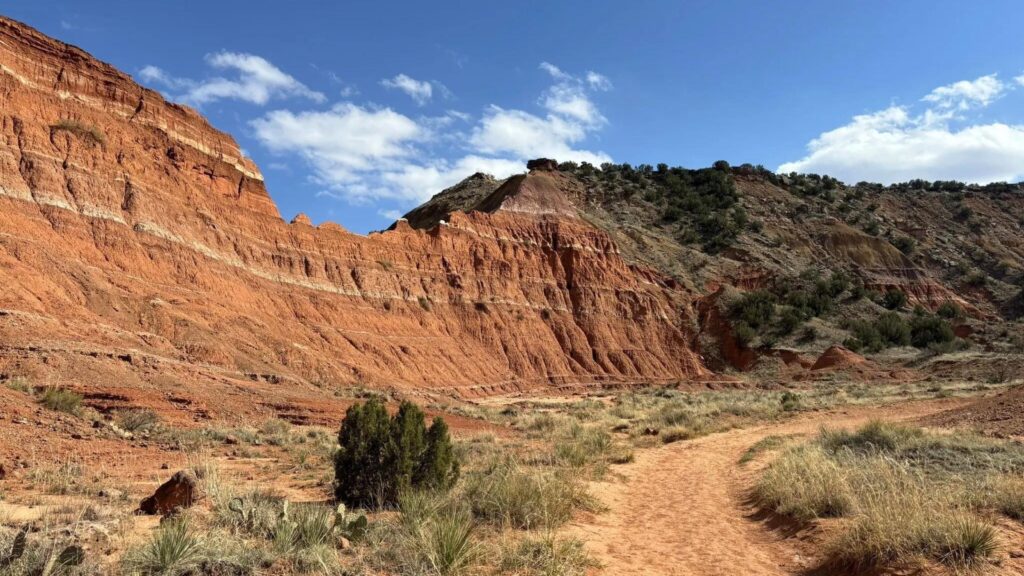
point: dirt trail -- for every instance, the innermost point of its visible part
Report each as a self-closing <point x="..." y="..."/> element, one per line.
<point x="681" y="509"/>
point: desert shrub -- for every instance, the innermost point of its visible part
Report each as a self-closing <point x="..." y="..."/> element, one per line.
<point x="789" y="401"/>
<point x="904" y="244"/>
<point x="744" y="334"/>
<point x="136" y="420"/>
<point x="977" y="279"/>
<point x="754" y="308"/>
<point x="893" y="329"/>
<point x="789" y="320"/>
<point x="894" y="299"/>
<point x="949" y="311"/>
<point x="61" y="400"/>
<point x="379" y="457"/>
<point x="926" y="330"/>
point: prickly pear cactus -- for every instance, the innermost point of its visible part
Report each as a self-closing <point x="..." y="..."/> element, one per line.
<point x="348" y="525"/>
<point x="17" y="549"/>
<point x="69" y="557"/>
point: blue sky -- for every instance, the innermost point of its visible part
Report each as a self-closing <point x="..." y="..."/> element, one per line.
<point x="357" y="111"/>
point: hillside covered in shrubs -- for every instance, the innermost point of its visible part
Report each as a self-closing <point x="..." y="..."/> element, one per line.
<point x="804" y="260"/>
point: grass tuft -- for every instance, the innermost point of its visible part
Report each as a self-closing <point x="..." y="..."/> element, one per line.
<point x="61" y="400"/>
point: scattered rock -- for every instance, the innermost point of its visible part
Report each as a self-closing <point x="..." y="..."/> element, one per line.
<point x="181" y="491"/>
<point x="3" y="472"/>
<point x="344" y="544"/>
<point x="650" y="431"/>
<point x="230" y="440"/>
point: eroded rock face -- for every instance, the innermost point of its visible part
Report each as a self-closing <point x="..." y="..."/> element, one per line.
<point x="144" y="262"/>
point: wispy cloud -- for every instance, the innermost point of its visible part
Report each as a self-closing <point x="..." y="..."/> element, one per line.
<point x="421" y="91"/>
<point x="255" y="80"/>
<point x="967" y="94"/>
<point x="936" y="141"/>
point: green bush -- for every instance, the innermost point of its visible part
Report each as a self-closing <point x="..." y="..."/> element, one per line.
<point x="894" y="299"/>
<point x="926" y="330"/>
<point x="905" y="244"/>
<point x="949" y="311"/>
<point x="380" y="457"/>
<point x="61" y="400"/>
<point x="893" y="329"/>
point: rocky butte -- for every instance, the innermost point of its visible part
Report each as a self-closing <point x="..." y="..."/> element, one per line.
<point x="143" y="262"/>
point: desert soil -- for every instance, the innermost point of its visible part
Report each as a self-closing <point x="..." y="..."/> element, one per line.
<point x="684" y="508"/>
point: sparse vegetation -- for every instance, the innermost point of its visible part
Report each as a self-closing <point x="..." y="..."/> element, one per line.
<point x="61" y="400"/>
<point x="902" y="492"/>
<point x="137" y="420"/>
<point x="87" y="132"/>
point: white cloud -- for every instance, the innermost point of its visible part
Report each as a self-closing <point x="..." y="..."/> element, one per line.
<point x="967" y="94"/>
<point x="390" y="214"/>
<point x="598" y="81"/>
<point x="897" y="144"/>
<point x="342" y="143"/>
<point x="420" y="182"/>
<point x="554" y="71"/>
<point x="525" y="135"/>
<point x="419" y="90"/>
<point x="571" y="116"/>
<point x="1019" y="80"/>
<point x="363" y="154"/>
<point x="256" y="81"/>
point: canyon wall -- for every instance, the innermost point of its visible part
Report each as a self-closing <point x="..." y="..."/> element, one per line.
<point x="143" y="261"/>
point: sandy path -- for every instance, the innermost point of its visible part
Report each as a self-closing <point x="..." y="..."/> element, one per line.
<point x="681" y="508"/>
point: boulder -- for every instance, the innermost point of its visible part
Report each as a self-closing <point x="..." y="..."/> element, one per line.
<point x="181" y="491"/>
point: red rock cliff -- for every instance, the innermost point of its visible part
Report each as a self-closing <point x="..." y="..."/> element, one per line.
<point x="141" y="257"/>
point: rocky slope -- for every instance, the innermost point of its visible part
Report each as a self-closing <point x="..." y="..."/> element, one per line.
<point x="144" y="262"/>
<point x="723" y="231"/>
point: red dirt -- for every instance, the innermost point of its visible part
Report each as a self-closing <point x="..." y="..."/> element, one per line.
<point x="999" y="415"/>
<point x="837" y="357"/>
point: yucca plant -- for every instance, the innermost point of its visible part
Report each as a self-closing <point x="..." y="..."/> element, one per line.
<point x="448" y="543"/>
<point x="173" y="550"/>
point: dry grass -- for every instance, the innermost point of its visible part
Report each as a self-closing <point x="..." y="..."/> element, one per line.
<point x="903" y="493"/>
<point x="82" y="130"/>
<point x="61" y="400"/>
<point x="544" y="555"/>
<point x="512" y="496"/>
